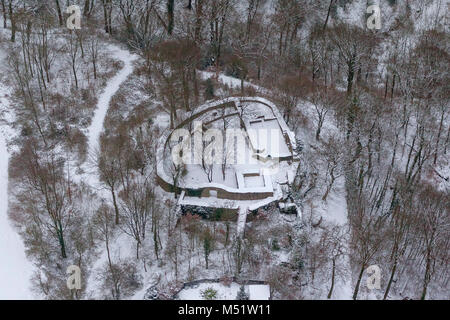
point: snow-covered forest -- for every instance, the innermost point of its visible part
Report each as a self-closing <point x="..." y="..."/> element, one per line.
<point x="82" y="111"/>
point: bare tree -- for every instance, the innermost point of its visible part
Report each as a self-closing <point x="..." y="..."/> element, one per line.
<point x="170" y="16"/>
<point x="103" y="222"/>
<point x="323" y="100"/>
<point x="288" y="96"/>
<point x="72" y="51"/>
<point x="109" y="174"/>
<point x="328" y="14"/>
<point x="94" y="52"/>
<point x="137" y="207"/>
<point x="12" y="18"/>
<point x="50" y="192"/>
<point x="208" y="245"/>
<point x="59" y="12"/>
<point x="403" y="219"/>
<point x="366" y="238"/>
<point x="337" y="249"/>
<point x="217" y="17"/>
<point x="354" y="45"/>
<point x="107" y="15"/>
<point x="433" y="223"/>
<point x="334" y="159"/>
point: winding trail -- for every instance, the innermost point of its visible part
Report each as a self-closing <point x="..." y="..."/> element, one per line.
<point x="15" y="269"/>
<point x="96" y="126"/>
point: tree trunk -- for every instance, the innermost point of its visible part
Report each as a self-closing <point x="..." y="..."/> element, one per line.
<point x="137" y="250"/>
<point x="393" y="87"/>
<point x="333" y="275"/>
<point x="358" y="283"/>
<point x="170" y="14"/>
<point x="386" y="86"/>
<point x="195" y="80"/>
<point x="328" y="14"/>
<point x="111" y="269"/>
<point x="61" y="241"/>
<point x="58" y="10"/>
<point x="4" y="14"/>
<point x="94" y="64"/>
<point x="105" y="15"/>
<point x="186" y="95"/>
<point x="330" y="185"/>
<point x="13" y="22"/>
<point x="87" y="8"/>
<point x="109" y="11"/>
<point x="447" y="140"/>
<point x="438" y="138"/>
<point x="116" y="209"/>
<point x="198" y="21"/>
<point x="75" y="75"/>
<point x="350" y="75"/>
<point x="319" y="129"/>
<point x="155" y="240"/>
<point x="391" y="278"/>
<point x="80" y="41"/>
<point x="427" y="276"/>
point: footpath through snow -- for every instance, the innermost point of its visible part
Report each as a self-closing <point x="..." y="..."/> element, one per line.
<point x="104" y="99"/>
<point x="96" y="128"/>
<point x="15" y="269"/>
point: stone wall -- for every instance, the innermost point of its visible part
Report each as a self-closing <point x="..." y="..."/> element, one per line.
<point x="221" y="192"/>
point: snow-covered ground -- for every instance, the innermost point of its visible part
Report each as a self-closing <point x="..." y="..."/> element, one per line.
<point x="223" y="292"/>
<point x="255" y="291"/>
<point x="259" y="292"/>
<point x="335" y="210"/>
<point x="15" y="269"/>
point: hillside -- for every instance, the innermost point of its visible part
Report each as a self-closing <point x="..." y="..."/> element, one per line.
<point x="118" y="152"/>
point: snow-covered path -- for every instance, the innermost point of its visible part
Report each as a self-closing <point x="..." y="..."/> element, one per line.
<point x="103" y="101"/>
<point x="96" y="129"/>
<point x="15" y="269"/>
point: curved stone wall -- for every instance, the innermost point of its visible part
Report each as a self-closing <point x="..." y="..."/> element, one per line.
<point x="223" y="192"/>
